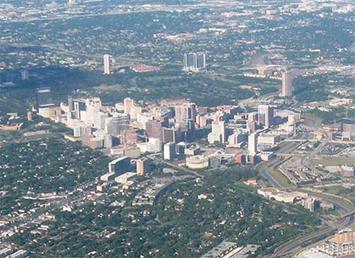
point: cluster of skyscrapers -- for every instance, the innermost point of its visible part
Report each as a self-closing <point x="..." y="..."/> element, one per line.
<point x="171" y="127"/>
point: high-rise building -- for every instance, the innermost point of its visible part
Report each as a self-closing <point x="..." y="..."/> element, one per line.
<point x="252" y="143"/>
<point x="251" y="126"/>
<point x="286" y="87"/>
<point x="127" y="105"/>
<point x="185" y="64"/>
<point x="107" y="64"/>
<point x="141" y="166"/>
<point x="25" y="75"/>
<point x="154" y="128"/>
<point x="235" y="139"/>
<point x="218" y="133"/>
<point x="44" y="97"/>
<point x="194" y="62"/>
<point x="185" y="112"/>
<point x="71" y="2"/>
<point x="169" y="151"/>
<point x="201" y="120"/>
<point x="169" y="135"/>
<point x="29" y="115"/>
<point x="116" y="124"/>
<point x="265" y="115"/>
<point x="76" y="106"/>
<point x="120" y="165"/>
<point x="201" y="61"/>
<point x="93" y="116"/>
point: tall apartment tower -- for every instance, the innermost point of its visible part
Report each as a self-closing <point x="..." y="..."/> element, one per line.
<point x="286" y="87"/>
<point x="107" y="64"/>
<point x="185" y="62"/>
<point x="194" y="62"/>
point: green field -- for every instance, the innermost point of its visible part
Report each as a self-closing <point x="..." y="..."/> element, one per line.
<point x="348" y="193"/>
<point x="334" y="161"/>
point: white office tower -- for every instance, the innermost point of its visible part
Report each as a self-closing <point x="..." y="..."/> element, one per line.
<point x="169" y="151"/>
<point x="93" y="106"/>
<point x="252" y="144"/>
<point x="286" y="87"/>
<point x="127" y="105"/>
<point x="107" y="64"/>
<point x="71" y="2"/>
<point x="218" y="133"/>
<point x="265" y="115"/>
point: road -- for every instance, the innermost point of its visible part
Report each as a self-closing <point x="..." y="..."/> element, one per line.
<point x="289" y="248"/>
<point x="175" y="166"/>
<point x="265" y="168"/>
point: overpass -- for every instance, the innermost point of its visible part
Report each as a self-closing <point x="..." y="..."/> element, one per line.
<point x="349" y="214"/>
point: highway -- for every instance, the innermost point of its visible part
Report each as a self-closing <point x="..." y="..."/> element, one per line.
<point x="264" y="168"/>
<point x="289" y="248"/>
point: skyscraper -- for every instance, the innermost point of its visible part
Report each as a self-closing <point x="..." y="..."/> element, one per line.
<point x="44" y="97"/>
<point x="201" y="61"/>
<point x="169" y="151"/>
<point x="117" y="124"/>
<point x="218" y="133"/>
<point x="154" y="129"/>
<point x="184" y="112"/>
<point x="25" y="75"/>
<point x="141" y="166"/>
<point x="194" y="62"/>
<point x="286" y="88"/>
<point x="252" y="143"/>
<point x="107" y="64"/>
<point x="265" y="115"/>
<point x="170" y="135"/>
<point x="185" y="61"/>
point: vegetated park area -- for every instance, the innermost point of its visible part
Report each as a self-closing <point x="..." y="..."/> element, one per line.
<point x="189" y="218"/>
<point x="203" y="88"/>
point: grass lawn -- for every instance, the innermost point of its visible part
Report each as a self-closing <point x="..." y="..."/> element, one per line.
<point x="334" y="161"/>
<point x="279" y="177"/>
<point x="348" y="193"/>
